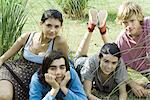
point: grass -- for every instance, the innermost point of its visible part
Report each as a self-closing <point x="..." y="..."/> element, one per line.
<point x="73" y="30"/>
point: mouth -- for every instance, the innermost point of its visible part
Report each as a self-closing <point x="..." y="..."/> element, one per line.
<point x="59" y="78"/>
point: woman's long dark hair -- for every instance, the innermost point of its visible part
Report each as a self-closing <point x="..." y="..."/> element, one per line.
<point x="48" y="59"/>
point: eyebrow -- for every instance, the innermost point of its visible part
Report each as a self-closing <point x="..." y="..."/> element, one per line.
<point x="111" y="61"/>
<point x="56" y="66"/>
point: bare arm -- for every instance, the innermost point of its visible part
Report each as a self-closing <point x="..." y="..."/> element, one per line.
<point x="122" y="92"/>
<point x="87" y="87"/>
<point x="84" y="45"/>
<point x="105" y="38"/>
<point x="15" y="48"/>
<point x="137" y="89"/>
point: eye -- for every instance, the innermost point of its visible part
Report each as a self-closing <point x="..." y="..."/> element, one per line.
<point x="62" y="67"/>
<point x="132" y="20"/>
<point x="49" y="25"/>
<point x="106" y="61"/>
<point x="114" y="63"/>
<point x="52" y="68"/>
<point x="125" y="22"/>
<point x="56" y="26"/>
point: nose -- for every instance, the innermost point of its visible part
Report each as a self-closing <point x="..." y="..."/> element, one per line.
<point x="52" y="29"/>
<point x="129" y="25"/>
<point x="58" y="71"/>
<point x="109" y="66"/>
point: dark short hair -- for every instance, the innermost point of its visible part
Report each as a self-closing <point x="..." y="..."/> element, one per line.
<point x="110" y="48"/>
<point x="52" y="13"/>
<point x="48" y="59"/>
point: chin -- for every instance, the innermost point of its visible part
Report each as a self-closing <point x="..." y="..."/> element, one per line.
<point x="51" y="37"/>
<point x="107" y="73"/>
<point x="58" y="82"/>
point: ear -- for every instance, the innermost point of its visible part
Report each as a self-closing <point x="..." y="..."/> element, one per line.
<point x="41" y="23"/>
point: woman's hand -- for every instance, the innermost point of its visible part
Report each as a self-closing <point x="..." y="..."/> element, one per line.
<point x="51" y="80"/>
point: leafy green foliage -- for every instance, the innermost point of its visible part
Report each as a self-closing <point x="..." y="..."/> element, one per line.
<point x="74" y="8"/>
<point x="13" y="18"/>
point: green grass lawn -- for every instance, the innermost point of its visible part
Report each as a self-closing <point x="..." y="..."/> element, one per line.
<point x="73" y="30"/>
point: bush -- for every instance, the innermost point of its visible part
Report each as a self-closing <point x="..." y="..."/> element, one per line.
<point x="74" y="8"/>
<point x="13" y="18"/>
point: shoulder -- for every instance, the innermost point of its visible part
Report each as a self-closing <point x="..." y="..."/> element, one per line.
<point x="121" y="73"/>
<point x="94" y="59"/>
<point x="147" y="21"/>
<point x="91" y="64"/>
<point x="73" y="73"/>
<point x="23" y="38"/>
<point x="35" y="77"/>
<point x="121" y="35"/>
<point x="147" y="18"/>
<point x="60" y="39"/>
<point x="61" y="44"/>
<point x="121" y="64"/>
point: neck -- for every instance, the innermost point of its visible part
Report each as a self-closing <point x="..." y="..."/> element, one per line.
<point x="44" y="40"/>
<point x="105" y="76"/>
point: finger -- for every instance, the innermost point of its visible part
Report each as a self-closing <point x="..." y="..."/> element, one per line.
<point x="136" y="92"/>
<point x="53" y="77"/>
<point x="46" y="75"/>
<point x="141" y="92"/>
<point x="67" y="76"/>
<point x="67" y="73"/>
<point x="145" y="92"/>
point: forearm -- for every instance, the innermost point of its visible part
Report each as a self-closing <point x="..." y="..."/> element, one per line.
<point x="54" y="92"/>
<point x="92" y="97"/>
<point x="122" y="92"/>
<point x="84" y="45"/>
<point x="10" y="52"/>
<point x="132" y="83"/>
<point x="123" y="96"/>
<point x="105" y="38"/>
<point x="64" y="90"/>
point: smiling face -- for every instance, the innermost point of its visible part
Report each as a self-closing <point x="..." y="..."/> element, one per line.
<point x="50" y="28"/>
<point x="58" y="68"/>
<point x="108" y="63"/>
<point x="132" y="26"/>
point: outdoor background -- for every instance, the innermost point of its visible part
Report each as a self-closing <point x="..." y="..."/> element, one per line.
<point x="75" y="14"/>
<point x="73" y="30"/>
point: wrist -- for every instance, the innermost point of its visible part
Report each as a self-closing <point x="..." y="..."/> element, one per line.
<point x="54" y="92"/>
<point x="64" y="90"/>
<point x="2" y="59"/>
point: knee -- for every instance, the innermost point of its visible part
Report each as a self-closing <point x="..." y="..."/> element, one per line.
<point x="6" y="90"/>
<point x="5" y="96"/>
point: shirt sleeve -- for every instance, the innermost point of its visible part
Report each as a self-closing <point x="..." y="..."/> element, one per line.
<point x="88" y="70"/>
<point x="121" y="72"/>
<point x="36" y="89"/>
<point x="75" y="90"/>
<point x="49" y="97"/>
<point x="147" y="38"/>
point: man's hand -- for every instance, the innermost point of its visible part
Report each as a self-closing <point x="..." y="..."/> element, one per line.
<point x="138" y="90"/>
<point x="65" y="80"/>
<point x="51" y="80"/>
<point x="64" y="83"/>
